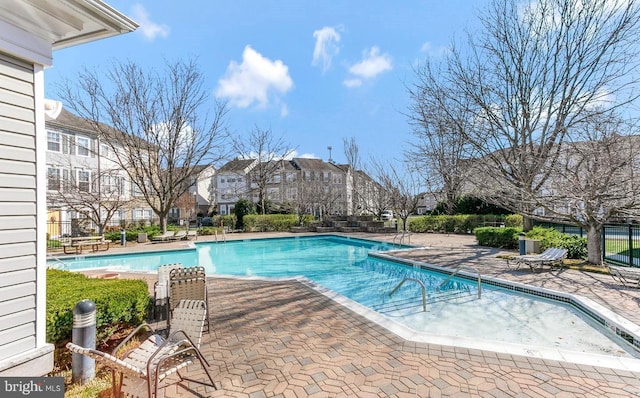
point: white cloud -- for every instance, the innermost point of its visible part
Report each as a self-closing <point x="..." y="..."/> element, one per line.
<point x="149" y="29"/>
<point x="284" y="110"/>
<point x="307" y="156"/>
<point x="326" y="47"/>
<point x="437" y="52"/>
<point x="352" y="82"/>
<point x="253" y="80"/>
<point x="372" y="64"/>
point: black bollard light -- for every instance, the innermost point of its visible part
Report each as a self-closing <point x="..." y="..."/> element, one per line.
<point x="123" y="237"/>
<point x="84" y="335"/>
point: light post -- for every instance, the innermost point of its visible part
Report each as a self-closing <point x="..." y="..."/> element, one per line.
<point x="195" y="207"/>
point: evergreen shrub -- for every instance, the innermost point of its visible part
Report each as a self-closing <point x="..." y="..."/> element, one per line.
<point x="117" y="301"/>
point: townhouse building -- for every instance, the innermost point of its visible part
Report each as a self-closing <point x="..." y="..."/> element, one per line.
<point x="81" y="168"/>
<point x="80" y="162"/>
<point x="306" y="185"/>
<point x="232" y="184"/>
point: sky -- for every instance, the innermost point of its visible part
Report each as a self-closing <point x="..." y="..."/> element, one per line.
<point x="313" y="72"/>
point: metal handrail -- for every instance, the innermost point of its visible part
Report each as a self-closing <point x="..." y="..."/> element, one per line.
<point x="424" y="291"/>
<point x="224" y="236"/>
<point x="402" y="237"/>
<point x="468" y="268"/>
<point x="65" y="266"/>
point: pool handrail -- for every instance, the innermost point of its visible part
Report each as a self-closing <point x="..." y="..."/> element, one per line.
<point x="468" y="268"/>
<point x="424" y="291"/>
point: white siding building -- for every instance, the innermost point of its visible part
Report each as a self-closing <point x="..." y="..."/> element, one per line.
<point x="29" y="32"/>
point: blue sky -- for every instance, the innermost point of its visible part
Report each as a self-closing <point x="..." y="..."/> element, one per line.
<point x="314" y="72"/>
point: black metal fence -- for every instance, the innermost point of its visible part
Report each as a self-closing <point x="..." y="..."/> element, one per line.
<point x="620" y="242"/>
<point x="58" y="231"/>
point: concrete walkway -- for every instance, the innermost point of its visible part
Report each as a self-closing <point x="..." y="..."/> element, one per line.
<point x="283" y="339"/>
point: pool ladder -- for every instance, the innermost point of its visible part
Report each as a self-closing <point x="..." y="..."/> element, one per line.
<point x="224" y="236"/>
<point x="57" y="260"/>
<point x="467" y="268"/>
<point x="424" y="291"/>
<point x="402" y="235"/>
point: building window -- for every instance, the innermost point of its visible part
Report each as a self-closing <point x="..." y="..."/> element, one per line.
<point x="105" y="151"/>
<point x="113" y="184"/>
<point x="325" y="176"/>
<point x="53" y="179"/>
<point x="135" y="190"/>
<point x="82" y="144"/>
<point x="84" y="184"/>
<point x="53" y="141"/>
<point x="68" y="144"/>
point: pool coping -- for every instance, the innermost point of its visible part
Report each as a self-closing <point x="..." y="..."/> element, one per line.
<point x="616" y="323"/>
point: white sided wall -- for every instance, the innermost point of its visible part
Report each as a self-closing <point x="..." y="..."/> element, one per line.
<point x="23" y="350"/>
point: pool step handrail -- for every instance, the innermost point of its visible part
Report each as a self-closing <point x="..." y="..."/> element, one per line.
<point x="65" y="266"/>
<point x="224" y="236"/>
<point x="424" y="290"/>
<point x="467" y="268"/>
<point x="401" y="241"/>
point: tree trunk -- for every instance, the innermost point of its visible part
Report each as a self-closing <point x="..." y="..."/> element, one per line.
<point x="594" y="244"/>
<point x="163" y="222"/>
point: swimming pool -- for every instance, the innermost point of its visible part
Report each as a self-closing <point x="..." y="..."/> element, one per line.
<point x="454" y="312"/>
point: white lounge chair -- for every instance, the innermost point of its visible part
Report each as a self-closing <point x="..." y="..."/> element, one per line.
<point x="628" y="276"/>
<point x="552" y="255"/>
<point x="182" y="234"/>
<point x="165" y="237"/>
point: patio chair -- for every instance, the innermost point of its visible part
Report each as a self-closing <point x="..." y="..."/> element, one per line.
<point x="192" y="234"/>
<point x="188" y="283"/>
<point x="161" y="290"/>
<point x="165" y="237"/>
<point x="182" y="234"/>
<point x="552" y="255"/>
<point x="627" y="276"/>
<point x="140" y="371"/>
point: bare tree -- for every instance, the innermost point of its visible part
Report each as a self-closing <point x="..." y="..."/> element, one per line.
<point x="595" y="178"/>
<point x="403" y="187"/>
<point x="187" y="204"/>
<point x="440" y="125"/>
<point x="354" y="163"/>
<point x="160" y="130"/>
<point x="97" y="195"/>
<point x="269" y="150"/>
<point x="537" y="70"/>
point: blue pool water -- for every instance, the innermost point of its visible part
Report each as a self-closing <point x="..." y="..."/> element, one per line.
<point x="343" y="266"/>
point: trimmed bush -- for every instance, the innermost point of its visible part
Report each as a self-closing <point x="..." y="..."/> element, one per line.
<point x="117" y="301"/>
<point x="270" y="222"/>
<point x="513" y="220"/>
<point x="457" y="224"/>
<point x="500" y="237"/>
<point x="550" y="237"/>
<point x="132" y="233"/>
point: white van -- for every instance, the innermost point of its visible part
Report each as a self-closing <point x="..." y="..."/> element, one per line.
<point x="386" y="215"/>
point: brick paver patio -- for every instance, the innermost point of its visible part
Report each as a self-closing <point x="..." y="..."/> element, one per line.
<point x="283" y="339"/>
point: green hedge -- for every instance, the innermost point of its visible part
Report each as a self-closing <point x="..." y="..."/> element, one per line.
<point x="507" y="238"/>
<point x="117" y="300"/>
<point x="132" y="234"/>
<point x="501" y="237"/>
<point x="513" y="220"/>
<point x="458" y="224"/>
<point x="270" y="222"/>
<point x="550" y="237"/>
